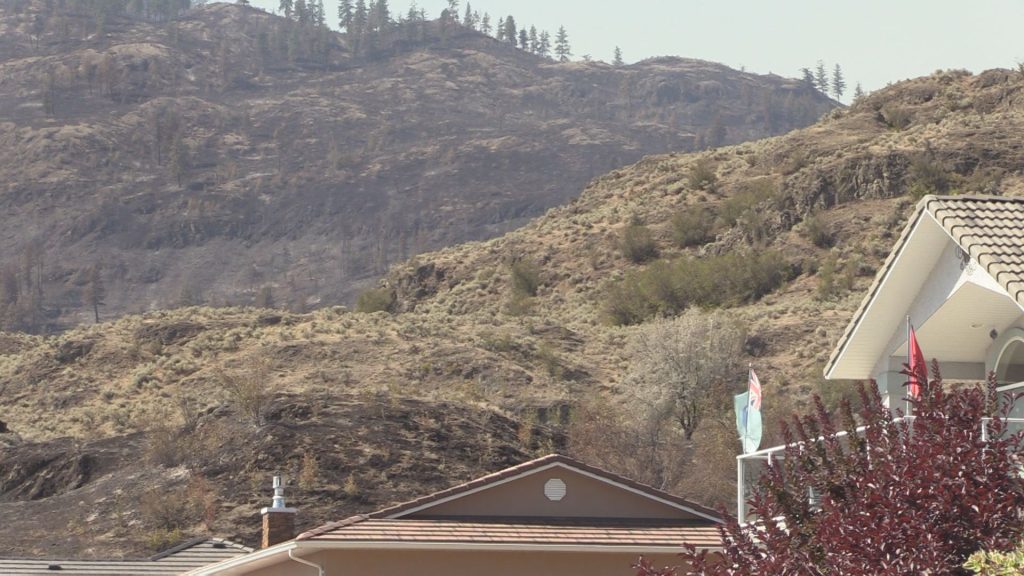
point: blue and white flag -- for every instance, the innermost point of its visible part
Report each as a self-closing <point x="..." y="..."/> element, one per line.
<point x="748" y="414"/>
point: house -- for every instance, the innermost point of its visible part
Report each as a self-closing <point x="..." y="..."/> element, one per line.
<point x="549" y="516"/>
<point x="957" y="272"/>
<point x="182" y="558"/>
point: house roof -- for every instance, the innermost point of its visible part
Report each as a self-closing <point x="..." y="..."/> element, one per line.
<point x="540" y="532"/>
<point x="990" y="229"/>
<point x="526" y="468"/>
<point x="182" y="558"/>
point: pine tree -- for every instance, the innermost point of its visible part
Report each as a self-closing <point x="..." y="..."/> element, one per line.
<point x="360" y="17"/>
<point x="500" y="30"/>
<point x="286" y="7"/>
<point x="807" y="77"/>
<point x="858" y="92"/>
<point x="524" y="39"/>
<point x="467" y="18"/>
<point x="382" y="15"/>
<point x="301" y="12"/>
<point x="345" y="15"/>
<point x="485" y="24"/>
<point x="617" y="57"/>
<point x="453" y="10"/>
<point x="510" y="30"/>
<point x="544" y="45"/>
<point x="821" y="78"/>
<point x="838" y="83"/>
<point x="534" y="40"/>
<point x="562" y="49"/>
<point x="95" y="291"/>
<point x="317" y="14"/>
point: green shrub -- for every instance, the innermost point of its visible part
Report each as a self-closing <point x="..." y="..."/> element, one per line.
<point x="666" y="288"/>
<point x="702" y="175"/>
<point x="694" y="226"/>
<point x="744" y="202"/>
<point x="994" y="563"/>
<point x="525" y="278"/>
<point x="817" y="232"/>
<point x="637" y="243"/>
<point x="375" y="300"/>
<point x="896" y="117"/>
<point x="928" y="176"/>
<point x="835" y="281"/>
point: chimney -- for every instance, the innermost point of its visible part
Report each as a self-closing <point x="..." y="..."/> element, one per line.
<point x="278" y="519"/>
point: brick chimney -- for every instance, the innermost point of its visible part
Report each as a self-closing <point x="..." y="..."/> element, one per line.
<point x="278" y="519"/>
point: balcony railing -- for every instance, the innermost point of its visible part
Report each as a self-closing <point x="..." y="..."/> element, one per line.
<point x="750" y="466"/>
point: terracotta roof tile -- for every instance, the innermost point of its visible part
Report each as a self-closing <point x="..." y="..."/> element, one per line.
<point x="515" y="531"/>
<point x="178" y="560"/>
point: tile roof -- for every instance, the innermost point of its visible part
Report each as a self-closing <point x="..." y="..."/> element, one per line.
<point x="399" y="509"/>
<point x="546" y="532"/>
<point x="177" y="560"/>
<point x="988" y="228"/>
<point x="991" y="230"/>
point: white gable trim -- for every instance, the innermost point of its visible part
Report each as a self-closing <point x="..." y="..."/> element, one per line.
<point x="546" y="467"/>
<point x="889" y="266"/>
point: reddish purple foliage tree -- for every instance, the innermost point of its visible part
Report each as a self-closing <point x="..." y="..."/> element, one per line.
<point x="901" y="497"/>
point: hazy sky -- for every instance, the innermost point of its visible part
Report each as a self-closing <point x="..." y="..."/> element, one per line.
<point x="875" y="41"/>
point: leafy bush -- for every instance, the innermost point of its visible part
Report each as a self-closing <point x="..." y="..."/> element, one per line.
<point x="745" y="209"/>
<point x="989" y="563"/>
<point x="525" y="278"/>
<point x="375" y="300"/>
<point x="694" y="226"/>
<point x="833" y="280"/>
<point x="896" y="117"/>
<point x="817" y="232"/>
<point x="928" y="176"/>
<point x="637" y="243"/>
<point x="702" y="175"/>
<point x="894" y="499"/>
<point x="666" y="288"/>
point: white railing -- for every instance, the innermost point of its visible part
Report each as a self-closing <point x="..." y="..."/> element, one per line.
<point x="750" y="466"/>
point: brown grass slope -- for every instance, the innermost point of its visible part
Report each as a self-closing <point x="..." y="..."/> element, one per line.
<point x="207" y="159"/>
<point x="462" y="336"/>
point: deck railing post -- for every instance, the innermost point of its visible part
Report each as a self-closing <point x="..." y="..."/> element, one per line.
<point x="741" y="492"/>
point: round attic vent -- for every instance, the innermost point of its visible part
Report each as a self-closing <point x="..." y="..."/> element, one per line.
<point x="554" y="489"/>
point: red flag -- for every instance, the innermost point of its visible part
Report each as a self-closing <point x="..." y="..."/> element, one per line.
<point x="918" y="367"/>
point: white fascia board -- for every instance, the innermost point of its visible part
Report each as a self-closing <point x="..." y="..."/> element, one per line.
<point x="882" y="286"/>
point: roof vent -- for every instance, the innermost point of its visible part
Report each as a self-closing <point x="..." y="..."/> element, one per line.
<point x="219" y="545"/>
<point x="554" y="489"/>
<point x="54" y="567"/>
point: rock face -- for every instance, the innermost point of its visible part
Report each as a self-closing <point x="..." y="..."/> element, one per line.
<point x="202" y="159"/>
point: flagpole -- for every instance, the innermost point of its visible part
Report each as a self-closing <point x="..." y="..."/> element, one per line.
<point x="910" y="369"/>
<point x="746" y="425"/>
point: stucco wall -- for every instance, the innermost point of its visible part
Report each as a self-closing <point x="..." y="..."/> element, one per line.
<point x="584" y="497"/>
<point x="464" y="563"/>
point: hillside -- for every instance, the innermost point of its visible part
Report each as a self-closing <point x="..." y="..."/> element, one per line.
<point x="230" y="157"/>
<point x="468" y="341"/>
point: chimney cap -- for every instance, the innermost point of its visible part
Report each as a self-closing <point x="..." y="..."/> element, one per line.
<point x="277" y="504"/>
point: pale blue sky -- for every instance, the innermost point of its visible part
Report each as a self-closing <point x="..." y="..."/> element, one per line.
<point x="875" y="41"/>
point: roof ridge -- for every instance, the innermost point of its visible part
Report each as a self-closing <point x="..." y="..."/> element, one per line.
<point x="390" y="512"/>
